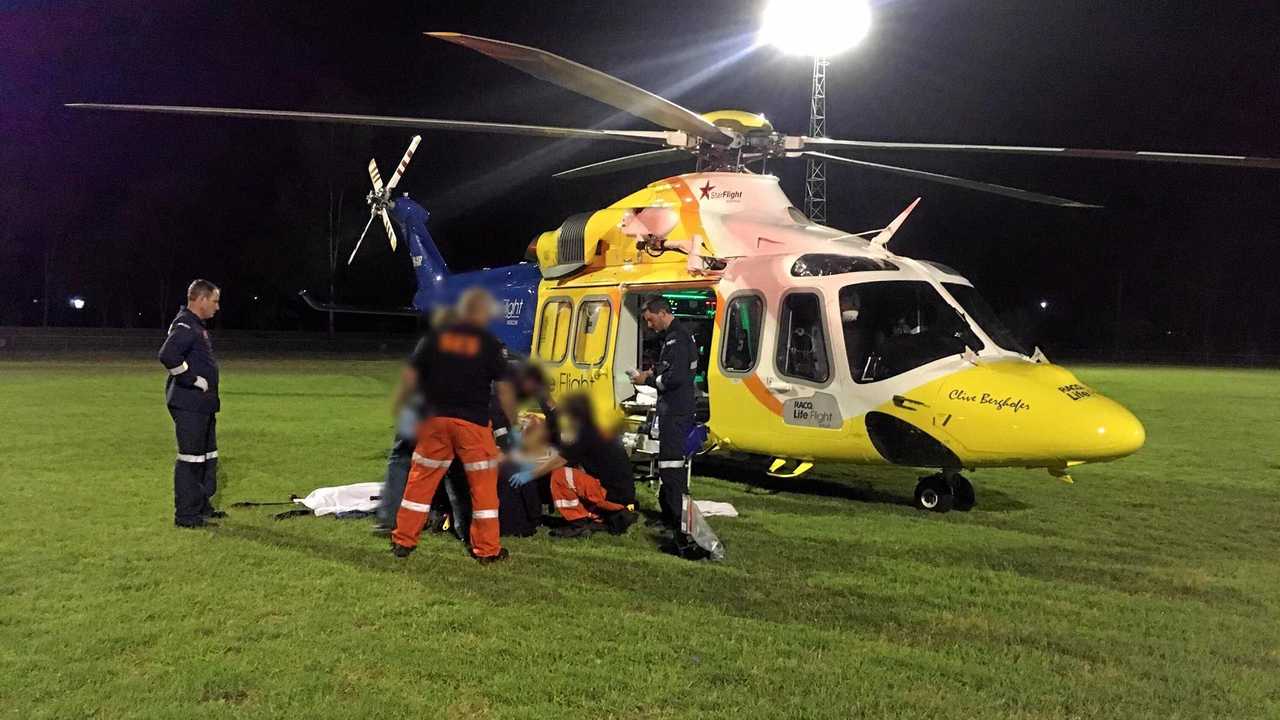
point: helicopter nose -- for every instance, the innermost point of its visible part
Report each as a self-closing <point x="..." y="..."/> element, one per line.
<point x="1106" y="432"/>
<point x="1034" y="415"/>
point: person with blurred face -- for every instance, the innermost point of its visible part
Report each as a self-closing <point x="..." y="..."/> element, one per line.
<point x="456" y="371"/>
<point x="191" y="394"/>
<point x="591" y="481"/>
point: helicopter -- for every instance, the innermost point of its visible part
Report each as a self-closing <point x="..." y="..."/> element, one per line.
<point x="815" y="344"/>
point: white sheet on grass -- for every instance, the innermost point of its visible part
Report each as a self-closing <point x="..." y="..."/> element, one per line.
<point x="360" y="497"/>
<point x="711" y="508"/>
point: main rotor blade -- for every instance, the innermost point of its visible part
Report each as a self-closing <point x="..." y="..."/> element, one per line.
<point x="1140" y="155"/>
<point x="591" y="83"/>
<point x="375" y="176"/>
<point x="957" y="182"/>
<point x="404" y="163"/>
<point x="357" y="247"/>
<point x="644" y="159"/>
<point x="391" y="233"/>
<point x="651" y="137"/>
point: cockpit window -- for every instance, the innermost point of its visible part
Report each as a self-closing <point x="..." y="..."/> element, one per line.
<point x="895" y="326"/>
<point x="821" y="264"/>
<point x="981" y="313"/>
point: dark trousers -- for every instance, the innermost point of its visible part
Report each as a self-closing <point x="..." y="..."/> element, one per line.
<point x="195" y="474"/>
<point x="398" y="461"/>
<point x="672" y="432"/>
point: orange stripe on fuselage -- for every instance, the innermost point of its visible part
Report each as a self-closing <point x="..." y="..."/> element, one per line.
<point x="762" y="394"/>
<point x="690" y="215"/>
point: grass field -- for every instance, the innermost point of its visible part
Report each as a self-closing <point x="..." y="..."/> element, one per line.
<point x="1150" y="588"/>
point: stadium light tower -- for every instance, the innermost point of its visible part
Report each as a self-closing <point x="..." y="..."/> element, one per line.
<point x="819" y="29"/>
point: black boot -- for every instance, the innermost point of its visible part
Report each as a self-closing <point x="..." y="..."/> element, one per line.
<point x="619" y="522"/>
<point x="577" y="529"/>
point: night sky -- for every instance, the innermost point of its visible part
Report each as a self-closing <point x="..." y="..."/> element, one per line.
<point x="125" y="209"/>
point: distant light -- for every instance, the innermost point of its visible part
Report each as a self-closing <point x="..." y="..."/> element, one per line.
<point x="1044" y="304"/>
<point x="817" y="28"/>
<point x="35" y="300"/>
<point x="255" y="298"/>
<point x="76" y="302"/>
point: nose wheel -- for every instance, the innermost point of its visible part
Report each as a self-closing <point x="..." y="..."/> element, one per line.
<point x="943" y="492"/>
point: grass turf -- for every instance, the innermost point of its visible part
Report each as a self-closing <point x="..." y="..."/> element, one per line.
<point x="1150" y="588"/>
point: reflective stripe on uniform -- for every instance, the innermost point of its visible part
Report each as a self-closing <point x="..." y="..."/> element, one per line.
<point x="658" y="381"/>
<point x="568" y="477"/>
<point x="425" y="461"/>
<point x="693" y="365"/>
<point x="190" y="458"/>
<point x="416" y="507"/>
<point x="499" y="432"/>
<point x="183" y="325"/>
<point x="481" y="465"/>
<point x="211" y="455"/>
<point x="484" y="515"/>
<point x="670" y="463"/>
<point x="567" y="503"/>
<point x="178" y="370"/>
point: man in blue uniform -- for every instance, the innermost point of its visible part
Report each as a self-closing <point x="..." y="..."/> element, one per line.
<point x="191" y="393"/>
<point x="673" y="377"/>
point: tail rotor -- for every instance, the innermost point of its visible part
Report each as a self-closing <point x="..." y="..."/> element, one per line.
<point x="379" y="198"/>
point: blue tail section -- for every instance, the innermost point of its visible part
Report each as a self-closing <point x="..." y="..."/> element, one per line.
<point x="514" y="286"/>
<point x="429" y="266"/>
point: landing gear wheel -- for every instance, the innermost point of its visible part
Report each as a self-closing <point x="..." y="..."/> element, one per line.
<point x="933" y="493"/>
<point x="962" y="491"/>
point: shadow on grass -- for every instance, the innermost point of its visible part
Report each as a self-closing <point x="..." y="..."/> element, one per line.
<point x="814" y="483"/>
<point x="308" y="394"/>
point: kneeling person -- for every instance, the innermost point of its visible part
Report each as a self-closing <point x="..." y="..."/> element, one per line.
<point x="591" y="480"/>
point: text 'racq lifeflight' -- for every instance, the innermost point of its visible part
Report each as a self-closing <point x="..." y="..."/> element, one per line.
<point x="814" y="344"/>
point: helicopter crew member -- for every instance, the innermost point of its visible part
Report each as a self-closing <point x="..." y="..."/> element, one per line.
<point x="673" y="377"/>
<point x="456" y="370"/>
<point x="191" y="394"/>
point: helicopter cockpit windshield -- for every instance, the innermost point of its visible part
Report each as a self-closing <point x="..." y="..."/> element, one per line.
<point x="978" y="310"/>
<point x="899" y="325"/>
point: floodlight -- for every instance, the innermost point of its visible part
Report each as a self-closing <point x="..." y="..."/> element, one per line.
<point x="818" y="28"/>
<point x="76" y="303"/>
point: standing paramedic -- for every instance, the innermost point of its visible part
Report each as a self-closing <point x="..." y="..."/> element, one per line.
<point x="191" y="393"/>
<point x="673" y="377"/>
<point x="457" y="368"/>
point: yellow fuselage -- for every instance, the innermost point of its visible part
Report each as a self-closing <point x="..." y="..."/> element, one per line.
<point x="986" y="406"/>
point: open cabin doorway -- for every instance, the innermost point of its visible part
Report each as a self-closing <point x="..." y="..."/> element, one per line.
<point x="638" y="348"/>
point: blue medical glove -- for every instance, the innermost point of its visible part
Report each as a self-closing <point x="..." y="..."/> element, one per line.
<point x="520" y="479"/>
<point x="513" y="437"/>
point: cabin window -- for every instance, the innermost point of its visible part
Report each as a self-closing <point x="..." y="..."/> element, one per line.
<point x="892" y="327"/>
<point x="802" y="345"/>
<point x="741" y="344"/>
<point x="553" y="333"/>
<point x="594" y="323"/>
<point x="822" y="264"/>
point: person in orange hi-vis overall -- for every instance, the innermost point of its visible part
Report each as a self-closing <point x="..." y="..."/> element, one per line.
<point x="591" y="477"/>
<point x="579" y="497"/>
<point x="456" y="368"/>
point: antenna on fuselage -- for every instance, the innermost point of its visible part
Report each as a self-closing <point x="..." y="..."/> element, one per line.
<point x="882" y="239"/>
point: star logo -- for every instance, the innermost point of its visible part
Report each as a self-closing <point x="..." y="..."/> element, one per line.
<point x="706" y="190"/>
